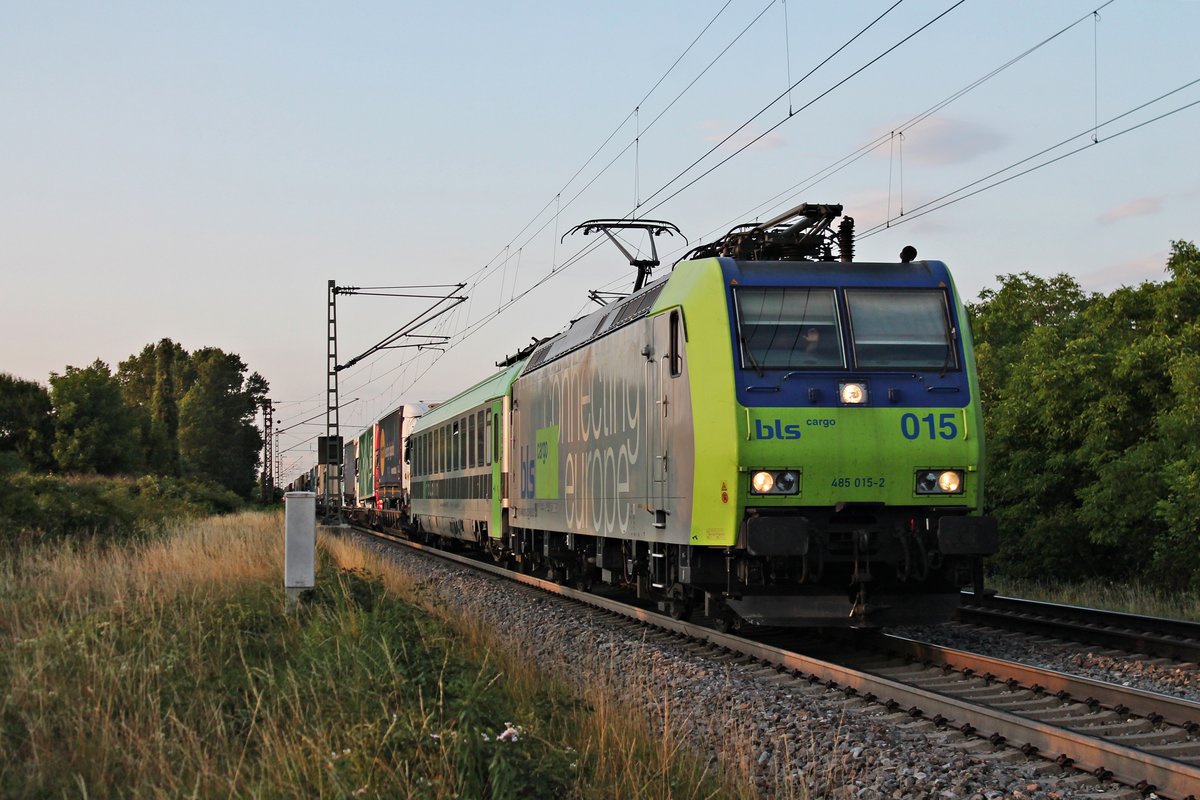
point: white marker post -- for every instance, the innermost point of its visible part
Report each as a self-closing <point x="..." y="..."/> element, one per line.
<point x="299" y="544"/>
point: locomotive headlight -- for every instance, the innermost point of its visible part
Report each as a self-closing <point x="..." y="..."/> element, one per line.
<point x="853" y="394"/>
<point x="939" y="481"/>
<point x="950" y="482"/>
<point x="781" y="481"/>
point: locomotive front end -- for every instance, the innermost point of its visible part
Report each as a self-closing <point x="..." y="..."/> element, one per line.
<point x="859" y="439"/>
<point x="862" y="449"/>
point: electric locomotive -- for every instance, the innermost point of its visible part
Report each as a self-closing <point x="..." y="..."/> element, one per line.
<point x="773" y="433"/>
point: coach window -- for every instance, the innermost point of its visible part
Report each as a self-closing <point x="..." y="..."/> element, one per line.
<point x="479" y="437"/>
<point x="462" y="443"/>
<point x="488" y="440"/>
<point x="676" y="352"/>
<point x="471" y="440"/>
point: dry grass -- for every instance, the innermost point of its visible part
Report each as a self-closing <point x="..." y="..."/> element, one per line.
<point x="217" y="556"/>
<point x="102" y="642"/>
<point x="1130" y="598"/>
<point x="171" y="669"/>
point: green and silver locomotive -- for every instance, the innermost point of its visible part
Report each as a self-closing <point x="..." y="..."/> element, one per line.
<point x="773" y="433"/>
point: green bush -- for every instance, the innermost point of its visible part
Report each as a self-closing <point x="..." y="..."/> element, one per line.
<point x="37" y="507"/>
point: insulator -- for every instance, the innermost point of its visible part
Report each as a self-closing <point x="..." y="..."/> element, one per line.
<point x="845" y="238"/>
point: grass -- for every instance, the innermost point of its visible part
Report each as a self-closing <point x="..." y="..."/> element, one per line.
<point x="171" y="669"/>
<point x="1133" y="598"/>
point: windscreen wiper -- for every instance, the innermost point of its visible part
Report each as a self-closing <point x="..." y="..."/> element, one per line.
<point x="950" y="334"/>
<point x="750" y="355"/>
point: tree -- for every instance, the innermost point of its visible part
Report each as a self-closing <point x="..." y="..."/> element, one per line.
<point x="152" y="383"/>
<point x="26" y="424"/>
<point x="1032" y="385"/>
<point x="1144" y="499"/>
<point x="217" y="436"/>
<point x="93" y="428"/>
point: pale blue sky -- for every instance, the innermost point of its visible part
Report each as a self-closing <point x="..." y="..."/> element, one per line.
<point x="199" y="171"/>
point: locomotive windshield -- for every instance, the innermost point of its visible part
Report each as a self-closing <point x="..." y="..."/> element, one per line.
<point x="789" y="328"/>
<point x="800" y="328"/>
<point x="906" y="328"/>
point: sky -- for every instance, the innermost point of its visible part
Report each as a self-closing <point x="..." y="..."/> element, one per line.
<point x="200" y="171"/>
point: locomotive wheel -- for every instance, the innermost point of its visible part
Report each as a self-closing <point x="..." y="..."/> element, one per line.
<point x="677" y="609"/>
<point x="724" y="619"/>
<point x="679" y="606"/>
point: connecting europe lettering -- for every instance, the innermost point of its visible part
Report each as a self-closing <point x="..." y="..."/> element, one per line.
<point x="587" y="443"/>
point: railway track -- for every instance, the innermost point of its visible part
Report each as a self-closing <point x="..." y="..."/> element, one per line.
<point x="1140" y="739"/>
<point x="1131" y="633"/>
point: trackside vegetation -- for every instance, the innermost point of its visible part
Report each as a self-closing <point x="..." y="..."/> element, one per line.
<point x="170" y="668"/>
<point x="48" y="508"/>
<point x="1092" y="412"/>
<point x="164" y="412"/>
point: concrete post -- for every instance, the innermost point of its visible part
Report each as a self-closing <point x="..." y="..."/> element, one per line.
<point x="299" y="544"/>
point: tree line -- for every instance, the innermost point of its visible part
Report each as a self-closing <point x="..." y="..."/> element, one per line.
<point x="1092" y="415"/>
<point x="164" y="411"/>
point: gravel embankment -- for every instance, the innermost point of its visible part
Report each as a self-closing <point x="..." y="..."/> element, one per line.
<point x="787" y="734"/>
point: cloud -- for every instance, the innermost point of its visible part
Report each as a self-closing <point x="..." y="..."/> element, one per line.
<point x="939" y="142"/>
<point x="716" y="131"/>
<point x="1141" y="207"/>
<point x="1152" y="267"/>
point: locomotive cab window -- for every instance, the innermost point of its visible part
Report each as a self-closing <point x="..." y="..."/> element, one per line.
<point x="788" y="328"/>
<point x="901" y="328"/>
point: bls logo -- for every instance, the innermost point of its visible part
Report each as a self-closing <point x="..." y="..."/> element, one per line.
<point x="776" y="431"/>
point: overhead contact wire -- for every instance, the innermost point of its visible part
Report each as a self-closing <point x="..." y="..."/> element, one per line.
<point x="807" y="105"/>
<point x="924" y="208"/>
<point x="771" y="104"/>
<point x="837" y="166"/>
